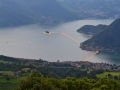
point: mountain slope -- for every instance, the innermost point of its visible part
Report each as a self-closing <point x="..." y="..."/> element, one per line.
<point x="91" y="29"/>
<point x="93" y="8"/>
<point x="107" y="40"/>
<point x="11" y="13"/>
<point x="20" y="12"/>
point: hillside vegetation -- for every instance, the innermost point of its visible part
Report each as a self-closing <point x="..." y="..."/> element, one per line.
<point x="107" y="40"/>
<point x="21" y="12"/>
<point x="91" y="30"/>
<point x="18" y="72"/>
<point x="37" y="82"/>
<point x="93" y="8"/>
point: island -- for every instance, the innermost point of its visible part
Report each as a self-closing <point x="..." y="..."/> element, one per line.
<point x="91" y="29"/>
<point x="46" y="32"/>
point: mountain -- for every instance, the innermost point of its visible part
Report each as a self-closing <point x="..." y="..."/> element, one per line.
<point x="50" y="9"/>
<point x="91" y="29"/>
<point x="107" y="40"/>
<point x="12" y="13"/>
<point x="20" y="12"/>
<point x="93" y="8"/>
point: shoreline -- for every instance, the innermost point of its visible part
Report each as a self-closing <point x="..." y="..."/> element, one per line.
<point x="15" y="58"/>
<point x="97" y="48"/>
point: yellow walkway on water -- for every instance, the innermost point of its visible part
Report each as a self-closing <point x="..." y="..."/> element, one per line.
<point x="84" y="59"/>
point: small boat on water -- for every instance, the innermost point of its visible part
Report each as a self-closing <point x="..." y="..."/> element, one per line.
<point x="97" y="52"/>
<point x="46" y="32"/>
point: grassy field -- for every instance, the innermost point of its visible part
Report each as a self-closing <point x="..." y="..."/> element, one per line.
<point x="26" y="69"/>
<point x="103" y="75"/>
<point x="12" y="80"/>
<point x="6" y="72"/>
<point x="9" y="84"/>
<point x="2" y="61"/>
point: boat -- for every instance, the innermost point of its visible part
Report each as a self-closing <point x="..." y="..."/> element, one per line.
<point x="46" y="32"/>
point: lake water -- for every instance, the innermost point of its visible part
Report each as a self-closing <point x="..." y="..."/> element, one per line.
<point x="29" y="41"/>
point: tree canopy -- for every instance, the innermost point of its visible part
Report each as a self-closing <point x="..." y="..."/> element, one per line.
<point x="38" y="82"/>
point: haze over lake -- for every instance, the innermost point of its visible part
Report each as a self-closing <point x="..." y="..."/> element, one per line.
<point x="29" y="41"/>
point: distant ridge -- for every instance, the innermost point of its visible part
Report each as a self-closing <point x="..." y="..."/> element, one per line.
<point x="93" y="9"/>
<point x="21" y="12"/>
<point x="106" y="41"/>
<point x="91" y="29"/>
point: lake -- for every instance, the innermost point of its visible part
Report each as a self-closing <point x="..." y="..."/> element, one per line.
<point x="29" y="41"/>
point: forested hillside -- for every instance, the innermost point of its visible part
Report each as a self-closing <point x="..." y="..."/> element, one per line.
<point x="20" y="12"/>
<point x="18" y="72"/>
<point x="107" y="40"/>
<point x="37" y="82"/>
<point x="91" y="30"/>
<point x="93" y="8"/>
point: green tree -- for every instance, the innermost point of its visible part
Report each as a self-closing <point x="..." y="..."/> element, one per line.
<point x="35" y="82"/>
<point x="7" y="78"/>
